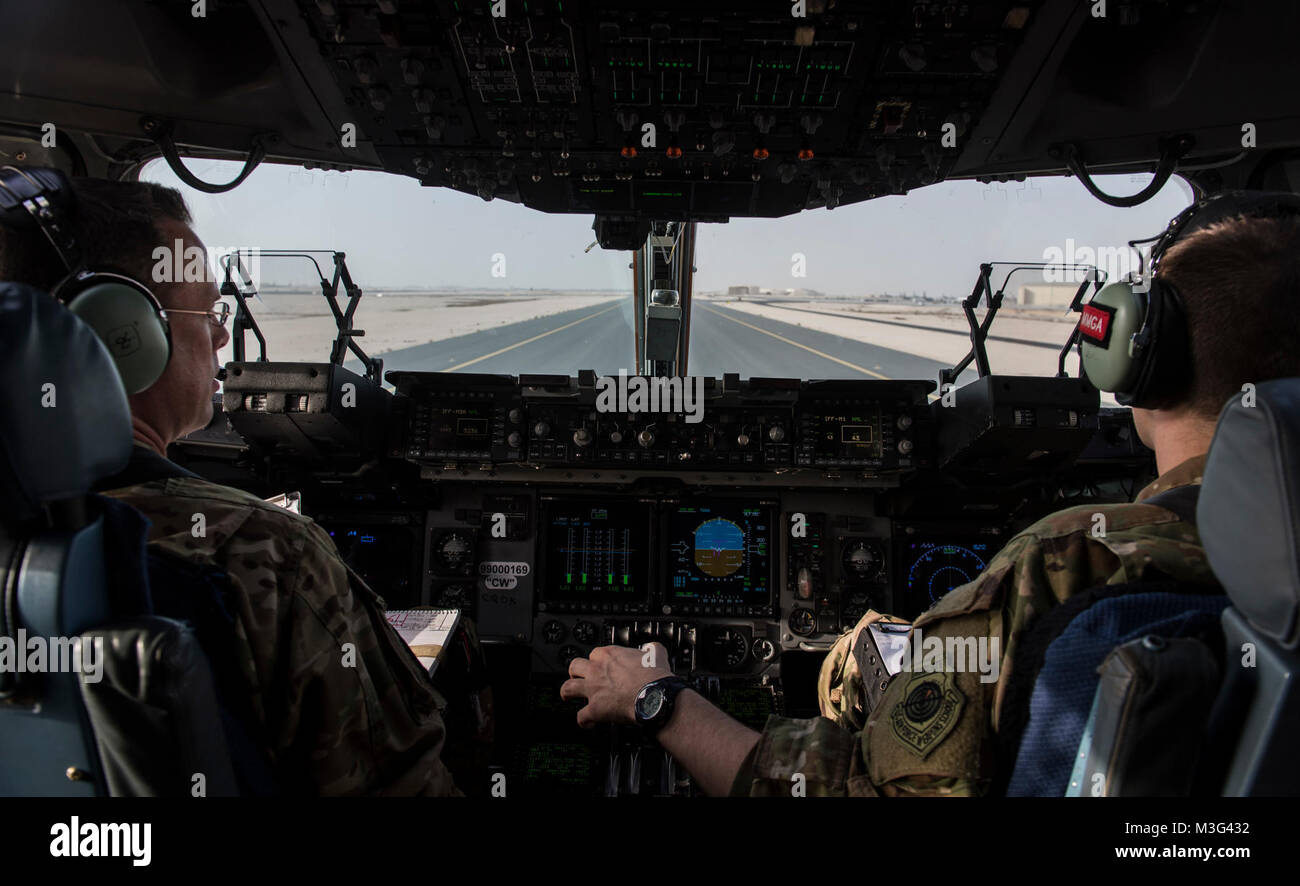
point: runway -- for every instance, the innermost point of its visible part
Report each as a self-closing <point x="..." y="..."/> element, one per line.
<point x="722" y="340"/>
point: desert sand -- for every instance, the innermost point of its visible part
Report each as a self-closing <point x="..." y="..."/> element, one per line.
<point x="299" y="326"/>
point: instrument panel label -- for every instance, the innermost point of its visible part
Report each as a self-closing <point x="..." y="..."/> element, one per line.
<point x="502" y="574"/>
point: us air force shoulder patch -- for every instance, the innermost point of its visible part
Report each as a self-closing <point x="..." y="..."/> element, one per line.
<point x="931" y="706"/>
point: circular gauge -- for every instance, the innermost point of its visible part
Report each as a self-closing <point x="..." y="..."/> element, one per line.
<point x="455" y="552"/>
<point x="585" y="632"/>
<point x="454" y="597"/>
<point x="728" y="649"/>
<point x="802" y="621"/>
<point x="735" y="648"/>
<point x="942" y="567"/>
<point x="862" y="560"/>
<point x="554" y="632"/>
<point x="855" y="606"/>
<point x="763" y="649"/>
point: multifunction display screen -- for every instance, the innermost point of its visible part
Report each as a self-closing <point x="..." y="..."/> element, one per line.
<point x="720" y="554"/>
<point x="596" y="552"/>
<point x="934" y="566"/>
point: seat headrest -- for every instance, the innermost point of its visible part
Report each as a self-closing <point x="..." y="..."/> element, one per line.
<point x="1249" y="508"/>
<point x="64" y="418"/>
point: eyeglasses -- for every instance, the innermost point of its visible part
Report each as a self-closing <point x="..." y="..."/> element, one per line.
<point x="218" y="316"/>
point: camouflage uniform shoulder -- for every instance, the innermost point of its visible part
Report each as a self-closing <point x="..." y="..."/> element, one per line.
<point x="342" y="703"/>
<point x="1141" y="538"/>
<point x="193" y="518"/>
<point x="1118" y="516"/>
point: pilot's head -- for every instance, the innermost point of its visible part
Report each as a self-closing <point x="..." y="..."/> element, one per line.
<point x="119" y="225"/>
<point x="1240" y="282"/>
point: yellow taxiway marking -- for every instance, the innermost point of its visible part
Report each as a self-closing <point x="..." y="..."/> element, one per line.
<point x="796" y="344"/>
<point x="526" y="341"/>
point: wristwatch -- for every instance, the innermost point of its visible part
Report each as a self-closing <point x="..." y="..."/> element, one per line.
<point x="654" y="704"/>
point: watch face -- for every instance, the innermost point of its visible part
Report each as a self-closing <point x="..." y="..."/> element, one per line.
<point x="650" y="703"/>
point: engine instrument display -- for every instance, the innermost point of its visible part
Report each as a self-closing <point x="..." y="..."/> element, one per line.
<point x="936" y="566"/>
<point x="719" y="558"/>
<point x="595" y="555"/>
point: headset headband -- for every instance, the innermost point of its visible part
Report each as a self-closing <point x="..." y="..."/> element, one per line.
<point x="1221" y="206"/>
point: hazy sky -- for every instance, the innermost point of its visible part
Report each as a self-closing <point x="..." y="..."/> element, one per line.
<point x="398" y="234"/>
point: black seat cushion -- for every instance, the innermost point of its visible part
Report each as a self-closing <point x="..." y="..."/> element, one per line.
<point x="155" y="713"/>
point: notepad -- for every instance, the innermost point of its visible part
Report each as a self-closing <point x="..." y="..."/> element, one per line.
<point x="427" y="631"/>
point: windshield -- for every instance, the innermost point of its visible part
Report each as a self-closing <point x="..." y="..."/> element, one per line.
<point x="870" y="290"/>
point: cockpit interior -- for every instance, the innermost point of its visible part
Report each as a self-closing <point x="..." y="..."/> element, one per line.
<point x="738" y="472"/>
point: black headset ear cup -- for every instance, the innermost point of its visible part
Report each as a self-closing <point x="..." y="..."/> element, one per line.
<point x="128" y="320"/>
<point x="1165" y="369"/>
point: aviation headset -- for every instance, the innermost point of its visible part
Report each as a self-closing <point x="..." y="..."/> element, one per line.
<point x="1136" y="344"/>
<point x="120" y="309"/>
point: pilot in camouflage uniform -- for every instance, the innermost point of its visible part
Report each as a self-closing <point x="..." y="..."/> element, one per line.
<point x="951" y="751"/>
<point x="336" y="724"/>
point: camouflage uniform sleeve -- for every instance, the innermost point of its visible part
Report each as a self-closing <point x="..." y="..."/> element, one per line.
<point x="934" y="732"/>
<point x="349" y="709"/>
<point x="850" y="753"/>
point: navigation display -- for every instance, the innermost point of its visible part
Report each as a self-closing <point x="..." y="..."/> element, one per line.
<point x="719" y="555"/>
<point x="595" y="554"/>
<point x="934" y="566"/>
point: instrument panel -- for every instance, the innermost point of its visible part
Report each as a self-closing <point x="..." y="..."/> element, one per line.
<point x="764" y="522"/>
<point x="745" y="536"/>
<point x="875" y="428"/>
<point x="728" y="583"/>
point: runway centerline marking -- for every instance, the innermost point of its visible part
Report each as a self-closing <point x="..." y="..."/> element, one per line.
<point x="526" y="341"/>
<point x="796" y="344"/>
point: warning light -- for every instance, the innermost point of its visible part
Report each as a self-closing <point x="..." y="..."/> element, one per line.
<point x="761" y="153"/>
<point x="628" y="152"/>
<point x="805" y="153"/>
<point x="674" y="152"/>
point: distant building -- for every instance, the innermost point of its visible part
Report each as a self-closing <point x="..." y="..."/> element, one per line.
<point x="1046" y="295"/>
<point x="742" y="290"/>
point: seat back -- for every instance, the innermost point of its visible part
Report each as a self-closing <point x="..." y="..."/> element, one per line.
<point x="97" y="694"/>
<point x="1249" y="515"/>
<point x="1048" y="717"/>
<point x="64" y="423"/>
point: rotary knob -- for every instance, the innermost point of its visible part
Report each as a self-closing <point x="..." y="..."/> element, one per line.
<point x="515" y="416"/>
<point x="905" y="447"/>
<point x="582" y="437"/>
<point x="646" y="438"/>
<point x="776" y="433"/>
<point x="904" y="422"/>
<point x="514" y="440"/>
<point x="616" y="437"/>
<point x="541" y="429"/>
<point x="742" y="440"/>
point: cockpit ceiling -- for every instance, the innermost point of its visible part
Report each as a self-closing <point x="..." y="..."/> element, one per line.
<point x="662" y="109"/>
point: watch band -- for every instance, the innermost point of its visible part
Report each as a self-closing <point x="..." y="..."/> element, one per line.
<point x="671" y="687"/>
